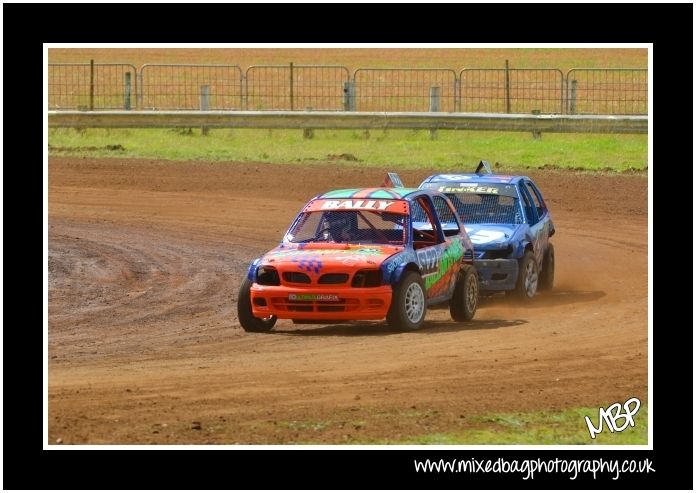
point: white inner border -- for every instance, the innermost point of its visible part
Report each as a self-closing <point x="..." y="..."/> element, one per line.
<point x="651" y="403"/>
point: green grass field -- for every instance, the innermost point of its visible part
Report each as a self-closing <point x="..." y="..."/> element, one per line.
<point x="403" y="148"/>
<point x="534" y="428"/>
<point x="539" y="428"/>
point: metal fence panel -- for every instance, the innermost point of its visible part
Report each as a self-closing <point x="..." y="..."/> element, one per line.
<point x="113" y="86"/>
<point x="606" y="91"/>
<point x="295" y="87"/>
<point x="404" y="89"/>
<point x="178" y="87"/>
<point x="101" y="86"/>
<point x="482" y="90"/>
<point x="511" y="91"/>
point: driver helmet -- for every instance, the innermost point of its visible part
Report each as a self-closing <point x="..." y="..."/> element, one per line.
<point x="338" y="225"/>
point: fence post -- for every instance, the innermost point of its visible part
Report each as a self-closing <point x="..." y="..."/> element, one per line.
<point x="205" y="104"/>
<point x="434" y="107"/>
<point x="242" y="103"/>
<point x="348" y="96"/>
<point x="139" y="90"/>
<point x="573" y="95"/>
<point x="127" y="92"/>
<point x="292" y="103"/>
<point x="507" y="87"/>
<point x="536" y="134"/>
<point x="91" y="85"/>
<point x="434" y="99"/>
<point x="308" y="133"/>
<point x="457" y="94"/>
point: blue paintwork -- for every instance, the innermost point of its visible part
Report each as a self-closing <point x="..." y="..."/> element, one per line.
<point x="251" y="271"/>
<point x="509" y="241"/>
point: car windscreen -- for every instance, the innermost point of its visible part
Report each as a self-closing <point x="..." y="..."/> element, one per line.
<point x="363" y="226"/>
<point x="484" y="208"/>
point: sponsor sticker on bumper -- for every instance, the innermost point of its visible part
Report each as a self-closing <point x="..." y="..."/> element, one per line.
<point x="313" y="297"/>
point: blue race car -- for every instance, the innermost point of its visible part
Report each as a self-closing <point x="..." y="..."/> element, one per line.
<point x="510" y="226"/>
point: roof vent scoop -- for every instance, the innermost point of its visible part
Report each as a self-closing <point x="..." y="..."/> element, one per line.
<point x="392" y="180"/>
<point x="485" y="166"/>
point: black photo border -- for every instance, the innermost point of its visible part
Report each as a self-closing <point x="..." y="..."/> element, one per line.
<point x="672" y="455"/>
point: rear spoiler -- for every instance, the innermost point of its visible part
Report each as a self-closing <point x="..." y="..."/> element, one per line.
<point x="392" y="180"/>
<point x="483" y="165"/>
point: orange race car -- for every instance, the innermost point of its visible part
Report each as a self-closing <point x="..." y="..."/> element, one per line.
<point x="364" y="254"/>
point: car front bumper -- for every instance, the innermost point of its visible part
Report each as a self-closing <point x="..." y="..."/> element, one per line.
<point x="497" y="274"/>
<point x="320" y="303"/>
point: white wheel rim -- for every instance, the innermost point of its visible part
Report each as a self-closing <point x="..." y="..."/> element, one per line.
<point x="471" y="294"/>
<point x="531" y="279"/>
<point x="415" y="303"/>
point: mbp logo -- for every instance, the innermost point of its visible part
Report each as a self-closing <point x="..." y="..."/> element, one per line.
<point x="612" y="414"/>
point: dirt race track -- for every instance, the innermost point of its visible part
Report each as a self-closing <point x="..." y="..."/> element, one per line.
<point x="145" y="259"/>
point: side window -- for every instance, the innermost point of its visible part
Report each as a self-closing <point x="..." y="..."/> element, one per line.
<point x="447" y="216"/>
<point x="535" y="200"/>
<point x="529" y="209"/>
<point x="536" y="195"/>
<point x="424" y="232"/>
<point x="418" y="214"/>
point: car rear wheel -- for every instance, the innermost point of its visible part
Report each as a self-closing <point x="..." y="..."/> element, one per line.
<point x="407" y="310"/>
<point x="547" y="270"/>
<point x="528" y="278"/>
<point x="466" y="294"/>
<point x="247" y="320"/>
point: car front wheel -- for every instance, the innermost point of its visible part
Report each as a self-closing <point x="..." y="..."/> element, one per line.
<point x="247" y="320"/>
<point x="528" y="278"/>
<point x="407" y="310"/>
<point x="547" y="270"/>
<point x="466" y="294"/>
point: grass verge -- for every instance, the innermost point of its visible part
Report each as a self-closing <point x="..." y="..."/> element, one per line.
<point x="540" y="428"/>
<point x="402" y="148"/>
<point x="531" y="428"/>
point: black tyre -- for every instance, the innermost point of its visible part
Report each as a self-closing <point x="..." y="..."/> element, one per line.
<point x="407" y="310"/>
<point x="246" y="317"/>
<point x="527" y="278"/>
<point x="547" y="270"/>
<point x="466" y="294"/>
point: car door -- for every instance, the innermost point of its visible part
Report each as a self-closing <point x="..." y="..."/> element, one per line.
<point x="439" y="259"/>
<point x="537" y="218"/>
<point x="545" y="215"/>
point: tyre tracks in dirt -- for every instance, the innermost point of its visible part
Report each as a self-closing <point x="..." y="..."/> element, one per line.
<point x="145" y="259"/>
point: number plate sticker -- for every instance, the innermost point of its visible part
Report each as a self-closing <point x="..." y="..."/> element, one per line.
<point x="313" y="297"/>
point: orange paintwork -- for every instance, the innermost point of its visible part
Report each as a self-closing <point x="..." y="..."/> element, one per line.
<point x="315" y="301"/>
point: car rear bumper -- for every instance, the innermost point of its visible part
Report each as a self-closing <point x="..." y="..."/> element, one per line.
<point x="497" y="275"/>
<point x="320" y="303"/>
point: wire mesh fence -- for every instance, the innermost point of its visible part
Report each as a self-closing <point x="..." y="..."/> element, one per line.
<point x="190" y="87"/>
<point x="607" y="91"/>
<point x="404" y="89"/>
<point x="112" y="86"/>
<point x="511" y="90"/>
<point x="98" y="86"/>
<point x="295" y="87"/>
